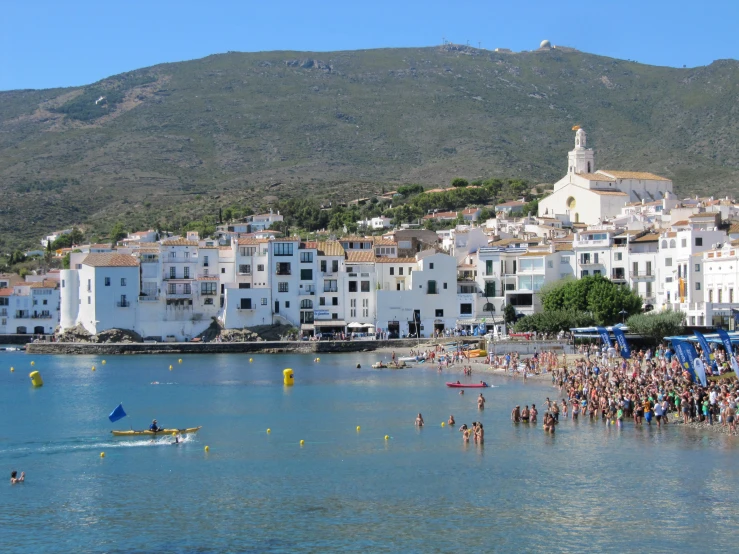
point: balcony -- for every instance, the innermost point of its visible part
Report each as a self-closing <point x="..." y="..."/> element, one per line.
<point x="604" y="243"/>
<point x="180" y="295"/>
<point x="123" y="304"/>
<point x="588" y="261"/>
<point x="183" y="278"/>
<point x="208" y="292"/>
<point x="180" y="260"/>
<point x="20" y="314"/>
<point x="283" y="271"/>
<point x="618" y="275"/>
<point x="307" y="291"/>
<point x="4" y="313"/>
<point x="41" y="316"/>
<point x="642" y="275"/>
<point x="150" y="298"/>
<point x="149" y="259"/>
<point x="330" y="289"/>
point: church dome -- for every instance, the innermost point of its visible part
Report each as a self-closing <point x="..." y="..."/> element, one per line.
<point x="545" y="44"/>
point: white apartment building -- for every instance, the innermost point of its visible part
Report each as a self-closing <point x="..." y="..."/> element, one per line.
<point x="29" y="307"/>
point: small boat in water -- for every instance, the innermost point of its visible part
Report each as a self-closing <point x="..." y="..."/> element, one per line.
<point x="133" y="433"/>
<point x="459" y="385"/>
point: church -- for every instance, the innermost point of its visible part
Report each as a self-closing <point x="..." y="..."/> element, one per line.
<point x="590" y="196"/>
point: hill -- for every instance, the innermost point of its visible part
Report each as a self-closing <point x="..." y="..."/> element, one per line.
<point x="165" y="143"/>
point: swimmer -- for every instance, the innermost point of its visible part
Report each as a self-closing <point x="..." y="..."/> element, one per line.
<point x="177" y="439"/>
<point x="481" y="402"/>
<point x="14" y="479"/>
<point x="461" y="392"/>
<point x="451" y="420"/>
<point x="419" y="421"/>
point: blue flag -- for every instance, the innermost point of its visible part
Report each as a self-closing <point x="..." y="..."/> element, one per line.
<point x="706" y="348"/>
<point x="604" y="336"/>
<point x="117" y="414"/>
<point x="724" y="336"/>
<point x="685" y="353"/>
<point x="623" y="345"/>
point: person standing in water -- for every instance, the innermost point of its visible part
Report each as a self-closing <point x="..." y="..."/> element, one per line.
<point x="481" y="402"/>
<point x="419" y="421"/>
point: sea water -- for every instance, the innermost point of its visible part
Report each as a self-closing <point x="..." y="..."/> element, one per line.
<point x="595" y="486"/>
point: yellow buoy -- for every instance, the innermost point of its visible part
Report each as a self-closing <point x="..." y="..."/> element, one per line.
<point x="174" y="434"/>
<point x="207" y="448"/>
<point x="359" y="428"/>
<point x="36" y="379"/>
<point x="250" y="360"/>
<point x="302" y="442"/>
<point x="170" y="368"/>
<point x="387" y="437"/>
<point x="318" y="359"/>
<point x="288" y="377"/>
<point x="179" y="361"/>
<point x="443" y="424"/>
<point x="93" y="368"/>
<point x="104" y="362"/>
<point x="12" y="369"/>
<point x="102" y="454"/>
<point x="269" y="431"/>
<point x="33" y="363"/>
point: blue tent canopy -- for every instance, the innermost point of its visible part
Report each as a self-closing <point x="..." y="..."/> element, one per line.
<point x="710" y="337"/>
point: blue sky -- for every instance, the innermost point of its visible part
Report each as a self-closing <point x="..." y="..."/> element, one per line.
<point x="51" y="43"/>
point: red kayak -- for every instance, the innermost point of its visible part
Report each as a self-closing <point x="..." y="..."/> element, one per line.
<point x="467" y="385"/>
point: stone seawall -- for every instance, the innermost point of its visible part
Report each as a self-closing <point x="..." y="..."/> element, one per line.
<point x="265" y="347"/>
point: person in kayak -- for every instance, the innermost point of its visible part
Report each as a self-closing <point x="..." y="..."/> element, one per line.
<point x="15" y="479"/>
<point x="154" y="427"/>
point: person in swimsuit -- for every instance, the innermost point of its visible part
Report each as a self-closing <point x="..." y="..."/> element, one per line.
<point x="533" y="413"/>
<point x="451" y="420"/>
<point x="480" y="434"/>
<point x="419" y="421"/>
<point x="481" y="402"/>
<point x="516" y="414"/>
<point x="525" y="414"/>
<point x="466" y="435"/>
<point x="15" y="479"/>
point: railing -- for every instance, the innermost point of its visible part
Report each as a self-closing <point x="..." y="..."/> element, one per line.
<point x="153" y="298"/>
<point x="180" y="260"/>
<point x="242" y="309"/>
<point x="620" y="276"/>
<point x="600" y="242"/>
<point x="149" y="260"/>
<point x="283" y="271"/>
<point x="41" y="316"/>
<point x="588" y="261"/>
<point x="124" y="304"/>
<point x="179" y="295"/>
<point x="183" y="278"/>
<point x="306" y="292"/>
<point x="4" y="313"/>
<point x="641" y="274"/>
<point x="208" y="292"/>
<point x="22" y="315"/>
<point x="327" y="288"/>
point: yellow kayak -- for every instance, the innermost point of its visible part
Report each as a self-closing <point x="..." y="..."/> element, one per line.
<point x="160" y="432"/>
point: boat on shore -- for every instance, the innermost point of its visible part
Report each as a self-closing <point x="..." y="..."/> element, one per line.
<point x="132" y="433"/>
<point x="468" y="385"/>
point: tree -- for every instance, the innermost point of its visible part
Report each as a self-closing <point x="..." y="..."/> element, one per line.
<point x="657" y="325"/>
<point x="65" y="260"/>
<point x="117" y="233"/>
<point x="553" y="321"/>
<point x="509" y="313"/>
<point x="460" y="183"/>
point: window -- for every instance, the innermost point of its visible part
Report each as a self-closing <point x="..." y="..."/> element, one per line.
<point x="439" y="313"/>
<point x="223" y="270"/>
<point x="205" y="261"/>
<point x="699" y="241"/>
<point x="321" y="301"/>
<point x="209" y="288"/>
<point x="392" y="271"/>
<point x="618" y="256"/>
<point x="172" y="289"/>
<point x="365" y="286"/>
<point x="365" y="303"/>
<point x="283" y="248"/>
<point x="306" y="257"/>
<point x="444" y="286"/>
<point x="672" y="243"/>
<point x="281" y="287"/>
<point x="352" y="286"/>
<point x="431" y="287"/>
<point x="283" y="268"/>
<point x="330" y="285"/>
<point x="431" y="265"/>
<point x="595" y="258"/>
<point x="107" y="281"/>
<point x="489" y="288"/>
<point x="245" y="304"/>
<point x="352" y="313"/>
<point x="89" y="300"/>
<point x="664" y="244"/>
<point x="323" y="266"/>
<point x="264" y="301"/>
<point x="465" y="309"/>
<point x="172" y="273"/>
<point x="306" y="274"/>
<point x="63" y="283"/>
<point x="334" y="265"/>
<point x="564" y="260"/>
<point x="45" y="302"/>
<point x="244" y="285"/>
<point x="584" y="258"/>
<point x="710" y="295"/>
<point x="306" y="304"/>
<point x="208" y="302"/>
<point x="684" y="243"/>
<point x="245" y="269"/>
<point x="260" y="267"/>
<point x="596" y="272"/>
<point x="488" y="267"/>
<point x="187" y="273"/>
<point x="531" y="264"/>
<point x="334" y="316"/>
<point x="668" y="262"/>
<point x="287" y="303"/>
<point x="186" y="288"/>
<point x="584" y="273"/>
<point x="697" y="268"/>
<point x="247" y="250"/>
<point x="550" y="264"/>
<point x="335" y="301"/>
<point x="400" y="271"/>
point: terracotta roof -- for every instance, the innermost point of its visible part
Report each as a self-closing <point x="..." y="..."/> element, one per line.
<point x="512" y="203"/>
<point x="734" y="228"/>
<point x="395" y="260"/>
<point x="45" y="284"/>
<point x="355" y="238"/>
<point x="6" y="292"/>
<point x="249" y="242"/>
<point x="609" y="192"/>
<point x="309" y="245"/>
<point x="708" y="215"/>
<point x="671" y="234"/>
<point x="680" y="223"/>
<point x="360" y="256"/>
<point x="180" y="242"/>
<point x="285" y="239"/>
<point x="643" y="175"/>
<point x="537" y="254"/>
<point x="379" y="241"/>
<point x="110" y="260"/>
<point x="649" y="237"/>
<point x="331" y="248"/>
<point x="563" y="247"/>
<point x="101" y="245"/>
<point x="594" y="177"/>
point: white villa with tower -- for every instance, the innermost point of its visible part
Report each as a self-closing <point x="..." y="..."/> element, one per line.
<point x="586" y="195"/>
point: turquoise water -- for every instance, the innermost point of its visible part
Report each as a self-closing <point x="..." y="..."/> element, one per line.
<point x="421" y="491"/>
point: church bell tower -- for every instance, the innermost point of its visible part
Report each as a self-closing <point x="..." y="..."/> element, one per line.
<point x="581" y="159"/>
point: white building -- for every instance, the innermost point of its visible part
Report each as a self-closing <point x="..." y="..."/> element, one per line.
<point x="591" y="196"/>
<point x="29" y="307"/>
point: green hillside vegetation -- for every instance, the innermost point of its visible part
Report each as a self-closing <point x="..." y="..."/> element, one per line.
<point x="172" y="144"/>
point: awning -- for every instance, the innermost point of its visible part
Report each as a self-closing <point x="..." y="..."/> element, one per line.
<point x="355" y="325"/>
<point x="479" y="320"/>
<point x="307" y="327"/>
<point x="330" y="323"/>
